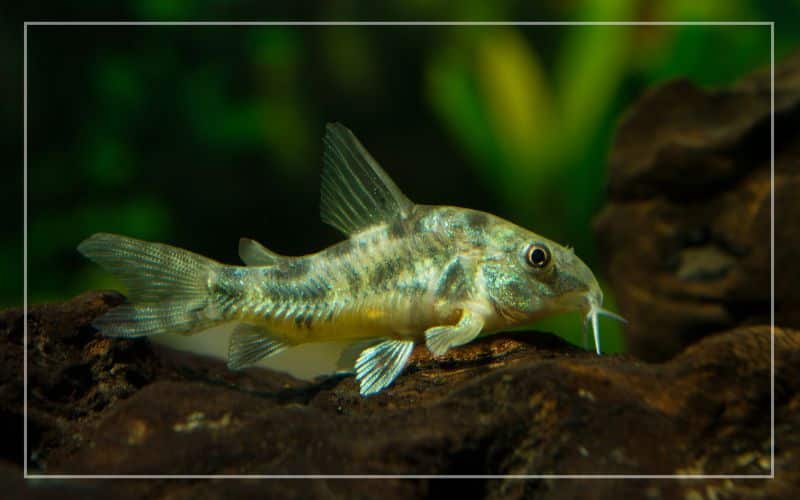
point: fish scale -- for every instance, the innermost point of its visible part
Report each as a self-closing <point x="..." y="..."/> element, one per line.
<point x="406" y="274"/>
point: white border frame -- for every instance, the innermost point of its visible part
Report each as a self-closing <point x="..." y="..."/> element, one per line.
<point x="771" y="475"/>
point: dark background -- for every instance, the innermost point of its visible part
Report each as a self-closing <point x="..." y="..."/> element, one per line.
<point x="196" y="136"/>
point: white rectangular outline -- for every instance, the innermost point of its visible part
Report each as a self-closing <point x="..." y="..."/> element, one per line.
<point x="771" y="25"/>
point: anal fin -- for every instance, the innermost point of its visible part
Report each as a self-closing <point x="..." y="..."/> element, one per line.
<point x="379" y="365"/>
<point x="251" y="343"/>
<point x="348" y="357"/>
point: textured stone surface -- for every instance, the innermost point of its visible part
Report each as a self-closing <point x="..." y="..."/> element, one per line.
<point x="524" y="403"/>
<point x="686" y="234"/>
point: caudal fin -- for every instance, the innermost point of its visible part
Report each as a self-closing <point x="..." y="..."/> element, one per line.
<point x="167" y="286"/>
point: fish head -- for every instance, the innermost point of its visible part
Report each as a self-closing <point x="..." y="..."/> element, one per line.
<point x="528" y="276"/>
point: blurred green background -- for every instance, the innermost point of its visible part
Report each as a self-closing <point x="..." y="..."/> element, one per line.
<point x="196" y="136"/>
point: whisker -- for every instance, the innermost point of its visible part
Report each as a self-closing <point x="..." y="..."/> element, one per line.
<point x="596" y="328"/>
<point x="593" y="315"/>
<point x="609" y="314"/>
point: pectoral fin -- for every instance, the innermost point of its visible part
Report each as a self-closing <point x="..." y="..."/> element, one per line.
<point x="379" y="365"/>
<point x="251" y="343"/>
<point x="441" y="338"/>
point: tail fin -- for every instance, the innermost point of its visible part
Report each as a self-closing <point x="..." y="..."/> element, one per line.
<point x="167" y="286"/>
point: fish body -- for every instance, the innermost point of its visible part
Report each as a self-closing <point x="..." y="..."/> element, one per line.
<point x="407" y="274"/>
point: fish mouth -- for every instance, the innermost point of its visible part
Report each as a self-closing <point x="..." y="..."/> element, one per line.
<point x="594" y="303"/>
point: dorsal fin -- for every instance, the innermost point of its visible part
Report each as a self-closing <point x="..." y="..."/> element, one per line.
<point x="356" y="193"/>
<point x="254" y="253"/>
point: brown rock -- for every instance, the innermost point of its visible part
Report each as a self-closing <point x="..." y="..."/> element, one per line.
<point x="686" y="235"/>
<point x="525" y="403"/>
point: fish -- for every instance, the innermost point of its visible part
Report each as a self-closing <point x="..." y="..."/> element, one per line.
<point x="407" y="274"/>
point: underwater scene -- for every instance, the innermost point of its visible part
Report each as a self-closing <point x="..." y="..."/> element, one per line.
<point x="535" y="255"/>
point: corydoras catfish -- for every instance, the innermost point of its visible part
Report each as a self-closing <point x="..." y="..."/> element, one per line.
<point x="406" y="274"/>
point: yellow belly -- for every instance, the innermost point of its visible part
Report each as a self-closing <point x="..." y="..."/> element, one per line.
<point x="366" y="321"/>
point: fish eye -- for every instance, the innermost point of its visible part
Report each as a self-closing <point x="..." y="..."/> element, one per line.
<point x="537" y="255"/>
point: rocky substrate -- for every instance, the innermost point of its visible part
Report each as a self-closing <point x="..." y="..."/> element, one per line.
<point x="525" y="403"/>
<point x="685" y="234"/>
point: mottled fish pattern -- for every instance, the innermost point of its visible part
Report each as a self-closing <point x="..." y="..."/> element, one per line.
<point x="407" y="274"/>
